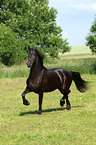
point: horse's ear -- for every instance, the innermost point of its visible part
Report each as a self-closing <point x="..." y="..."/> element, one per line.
<point x="28" y="47"/>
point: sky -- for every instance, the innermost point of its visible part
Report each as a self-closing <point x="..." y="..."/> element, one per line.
<point x="75" y="18"/>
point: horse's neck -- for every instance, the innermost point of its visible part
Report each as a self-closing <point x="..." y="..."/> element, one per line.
<point x="36" y="70"/>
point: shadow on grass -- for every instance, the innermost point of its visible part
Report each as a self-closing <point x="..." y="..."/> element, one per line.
<point x="47" y="110"/>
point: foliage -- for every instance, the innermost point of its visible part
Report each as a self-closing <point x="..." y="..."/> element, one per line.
<point x="11" y="47"/>
<point x="91" y="38"/>
<point x="35" y="23"/>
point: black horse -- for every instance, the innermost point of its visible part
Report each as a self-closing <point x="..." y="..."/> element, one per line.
<point x="43" y="80"/>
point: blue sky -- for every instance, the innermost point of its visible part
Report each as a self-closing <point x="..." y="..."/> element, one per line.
<point x="75" y="18"/>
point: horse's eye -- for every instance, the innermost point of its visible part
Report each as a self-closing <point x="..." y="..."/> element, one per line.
<point x="34" y="53"/>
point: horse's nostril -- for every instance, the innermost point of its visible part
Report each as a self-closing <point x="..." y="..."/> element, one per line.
<point x="28" y="64"/>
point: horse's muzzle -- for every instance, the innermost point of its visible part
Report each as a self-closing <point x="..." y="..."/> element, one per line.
<point x="29" y="64"/>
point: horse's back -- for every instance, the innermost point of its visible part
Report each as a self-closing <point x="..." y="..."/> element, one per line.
<point x="56" y="78"/>
<point x="50" y="80"/>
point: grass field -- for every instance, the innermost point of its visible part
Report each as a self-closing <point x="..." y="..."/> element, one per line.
<point x="20" y="126"/>
<point x="79" y="50"/>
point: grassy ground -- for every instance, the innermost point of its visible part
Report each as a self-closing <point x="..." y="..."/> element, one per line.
<point x="19" y="124"/>
<point x="79" y="50"/>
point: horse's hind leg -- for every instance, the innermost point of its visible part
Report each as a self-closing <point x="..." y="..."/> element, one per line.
<point x="62" y="101"/>
<point x="68" y="106"/>
<point x="25" y="102"/>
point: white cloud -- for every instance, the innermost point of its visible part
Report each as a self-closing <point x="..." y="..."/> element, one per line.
<point x="94" y="6"/>
<point x="65" y="6"/>
<point x="81" y="6"/>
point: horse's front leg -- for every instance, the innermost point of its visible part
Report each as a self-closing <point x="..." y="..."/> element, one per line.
<point x="39" y="112"/>
<point x="25" y="102"/>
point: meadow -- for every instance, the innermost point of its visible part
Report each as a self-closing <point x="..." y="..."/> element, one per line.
<point x="20" y="125"/>
<point x="75" y="60"/>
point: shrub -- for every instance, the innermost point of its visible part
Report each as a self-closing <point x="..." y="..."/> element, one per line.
<point x="12" y="48"/>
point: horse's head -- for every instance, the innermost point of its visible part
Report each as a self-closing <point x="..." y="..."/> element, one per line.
<point x="31" y="57"/>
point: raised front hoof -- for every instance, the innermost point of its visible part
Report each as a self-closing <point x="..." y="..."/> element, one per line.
<point x="39" y="112"/>
<point x="25" y="102"/>
<point x="62" y="102"/>
<point x="68" y="107"/>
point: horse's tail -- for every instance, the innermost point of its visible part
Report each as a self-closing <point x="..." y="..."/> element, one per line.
<point x="80" y="83"/>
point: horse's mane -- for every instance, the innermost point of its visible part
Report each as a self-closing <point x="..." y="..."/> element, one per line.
<point x="40" y="55"/>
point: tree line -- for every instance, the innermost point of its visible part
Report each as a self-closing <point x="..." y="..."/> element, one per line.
<point x="31" y="23"/>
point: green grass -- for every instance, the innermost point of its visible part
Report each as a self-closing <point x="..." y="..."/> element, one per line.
<point x="16" y="71"/>
<point x="20" y="126"/>
<point x="79" y="50"/>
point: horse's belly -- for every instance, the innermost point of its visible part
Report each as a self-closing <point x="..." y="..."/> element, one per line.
<point x="50" y="85"/>
<point x="48" y="89"/>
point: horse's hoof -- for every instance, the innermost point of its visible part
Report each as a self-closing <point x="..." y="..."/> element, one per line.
<point x="39" y="112"/>
<point x="62" y="102"/>
<point x="68" y="107"/>
<point x="25" y="102"/>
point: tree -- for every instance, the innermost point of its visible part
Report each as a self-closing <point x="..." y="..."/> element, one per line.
<point x="91" y="38"/>
<point x="35" y="23"/>
<point x="11" y="48"/>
